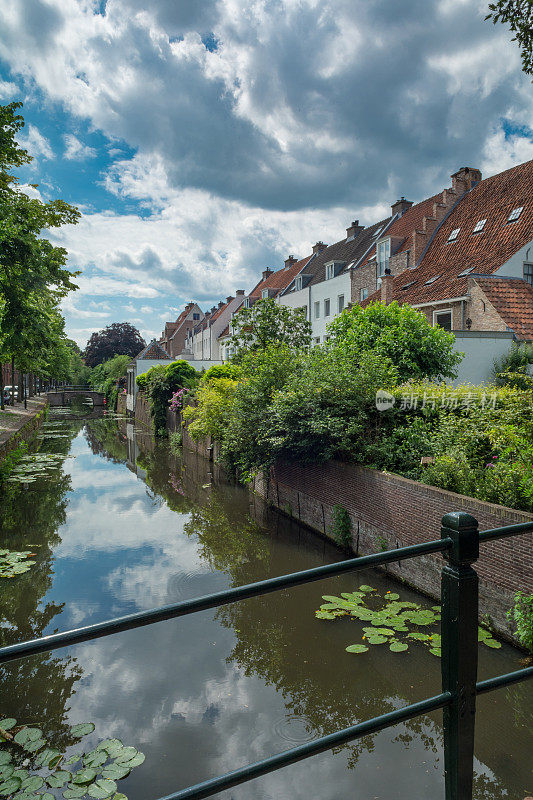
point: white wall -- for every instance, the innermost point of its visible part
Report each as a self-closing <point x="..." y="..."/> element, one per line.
<point x="139" y="368"/>
<point x="480" y="349"/>
<point x="515" y="266"/>
<point x="323" y="291"/>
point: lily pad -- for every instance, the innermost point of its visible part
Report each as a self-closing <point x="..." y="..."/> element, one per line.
<point x="357" y="648"/>
<point x="102" y="788"/>
<point x="8" y="723"/>
<point x="398" y="647"/>
<point x="5" y="757"/>
<point x="82" y="729"/>
<point x="10" y="786"/>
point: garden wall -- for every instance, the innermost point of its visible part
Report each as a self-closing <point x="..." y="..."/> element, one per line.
<point x="389" y="511"/>
<point x="121" y="403"/>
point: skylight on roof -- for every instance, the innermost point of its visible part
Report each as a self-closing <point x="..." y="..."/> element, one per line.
<point x="376" y="233"/>
<point x="466" y="272"/>
<point x="478" y="227"/>
<point x="372" y="258"/>
<point x="454" y="234"/>
<point x="433" y="279"/>
<point x="407" y="285"/>
<point x="515" y="214"/>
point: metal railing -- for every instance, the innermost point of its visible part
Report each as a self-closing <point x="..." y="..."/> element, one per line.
<point x="60" y="389"/>
<point x="459" y="543"/>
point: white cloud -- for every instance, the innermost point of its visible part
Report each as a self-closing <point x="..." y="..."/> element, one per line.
<point x="36" y="144"/>
<point x="502" y="152"/>
<point x="8" y="90"/>
<point x="75" y="150"/>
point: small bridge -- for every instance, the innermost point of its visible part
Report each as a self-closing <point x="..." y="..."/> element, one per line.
<point x="61" y="396"/>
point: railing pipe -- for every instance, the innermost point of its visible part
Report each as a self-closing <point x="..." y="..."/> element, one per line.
<point x="369" y="726"/>
<point x="141" y="618"/>
<point x="508" y="530"/>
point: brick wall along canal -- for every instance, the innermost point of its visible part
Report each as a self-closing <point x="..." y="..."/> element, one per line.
<point x="119" y="524"/>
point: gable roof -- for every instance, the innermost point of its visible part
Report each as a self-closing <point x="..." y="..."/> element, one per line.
<point x="152" y="352"/>
<point x="280" y="279"/>
<point x="513" y="300"/>
<point x="491" y="199"/>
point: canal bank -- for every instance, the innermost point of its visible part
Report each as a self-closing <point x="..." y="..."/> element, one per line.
<point x="119" y="523"/>
<point x="18" y="423"/>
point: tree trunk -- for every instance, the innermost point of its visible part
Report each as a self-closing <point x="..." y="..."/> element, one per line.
<point x="12" y="380"/>
<point x="2" y="406"/>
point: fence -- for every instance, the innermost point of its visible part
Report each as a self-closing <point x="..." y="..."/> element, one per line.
<point x="459" y="544"/>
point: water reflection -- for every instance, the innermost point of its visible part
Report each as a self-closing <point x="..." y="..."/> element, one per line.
<point x="126" y="525"/>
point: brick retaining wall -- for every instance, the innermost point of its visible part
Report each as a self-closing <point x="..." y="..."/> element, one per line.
<point x="390" y="511"/>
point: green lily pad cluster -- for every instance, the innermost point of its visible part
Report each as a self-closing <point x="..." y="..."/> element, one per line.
<point x="34" y="466"/>
<point x="43" y="768"/>
<point x="391" y="621"/>
<point x="13" y="563"/>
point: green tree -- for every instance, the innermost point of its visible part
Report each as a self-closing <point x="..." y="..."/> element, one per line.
<point x="33" y="273"/>
<point x="399" y="333"/>
<point x="268" y="324"/>
<point x="519" y="15"/>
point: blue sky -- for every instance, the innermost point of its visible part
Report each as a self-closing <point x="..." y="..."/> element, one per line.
<point x="204" y="140"/>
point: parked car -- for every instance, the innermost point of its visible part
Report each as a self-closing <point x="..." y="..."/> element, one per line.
<point x="7" y="394"/>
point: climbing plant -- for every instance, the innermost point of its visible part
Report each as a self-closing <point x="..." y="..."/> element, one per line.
<point x="32" y="770"/>
<point x="341" y="528"/>
<point x="391" y="621"/>
<point x="522" y="616"/>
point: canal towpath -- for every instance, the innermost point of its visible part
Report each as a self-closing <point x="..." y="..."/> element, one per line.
<point x="16" y="420"/>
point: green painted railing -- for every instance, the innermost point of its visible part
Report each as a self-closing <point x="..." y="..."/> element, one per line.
<point x="459" y="544"/>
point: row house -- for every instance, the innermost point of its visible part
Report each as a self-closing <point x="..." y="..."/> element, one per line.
<point x="472" y="269"/>
<point x="202" y="342"/>
<point x="173" y="337"/>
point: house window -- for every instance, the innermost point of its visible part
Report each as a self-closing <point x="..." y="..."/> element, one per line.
<point x="330" y="271"/>
<point x="196" y="316"/>
<point x="478" y="227"/>
<point x="528" y="272"/>
<point x="317" y="310"/>
<point x="317" y="340"/>
<point x="515" y="214"/>
<point x="340" y="303"/>
<point x="246" y="302"/>
<point x="327" y="305"/>
<point x="298" y="283"/>
<point x="443" y="319"/>
<point x="363" y="294"/>
<point x="383" y="255"/>
<point x="264" y="294"/>
<point x="454" y="234"/>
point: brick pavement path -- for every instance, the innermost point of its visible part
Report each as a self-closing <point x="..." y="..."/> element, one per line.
<point x="15" y="417"/>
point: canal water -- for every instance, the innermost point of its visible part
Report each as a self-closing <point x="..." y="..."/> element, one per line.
<point x="120" y="524"/>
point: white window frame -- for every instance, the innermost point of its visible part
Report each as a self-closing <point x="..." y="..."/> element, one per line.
<point x="339" y="309"/>
<point x="327" y="308"/>
<point x="479" y="227"/>
<point x="453" y="235"/>
<point x="383" y="255"/>
<point x="440" y="312"/>
<point x="515" y="214"/>
<point x="317" y="309"/>
<point x="330" y="271"/>
<point x="363" y="294"/>
<point x="264" y="294"/>
<point x="297" y="283"/>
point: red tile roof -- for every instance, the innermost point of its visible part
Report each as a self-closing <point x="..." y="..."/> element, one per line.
<point x="492" y="199"/>
<point x="279" y="279"/>
<point x="153" y="352"/>
<point x="513" y="300"/>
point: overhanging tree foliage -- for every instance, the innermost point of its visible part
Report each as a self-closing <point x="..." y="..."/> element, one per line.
<point x="519" y="15"/>
<point x="120" y="338"/>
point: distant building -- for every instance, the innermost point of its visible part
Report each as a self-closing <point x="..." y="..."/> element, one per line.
<point x="150" y="356"/>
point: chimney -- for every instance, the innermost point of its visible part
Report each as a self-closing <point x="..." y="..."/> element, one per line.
<point x="240" y="292"/>
<point x="267" y="272"/>
<point x="318" y="247"/>
<point x="213" y="309"/>
<point x="221" y="303"/>
<point x="387" y="288"/>
<point x="354" y="229"/>
<point x="464" y="179"/>
<point x="229" y="299"/>
<point x="290" y="261"/>
<point x="401" y="206"/>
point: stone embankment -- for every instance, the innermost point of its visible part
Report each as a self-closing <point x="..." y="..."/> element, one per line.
<point x="18" y="423"/>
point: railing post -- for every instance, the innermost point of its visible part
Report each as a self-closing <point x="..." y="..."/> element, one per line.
<point x="459" y="602"/>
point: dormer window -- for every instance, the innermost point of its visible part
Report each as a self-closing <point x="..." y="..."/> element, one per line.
<point x="246" y="302"/>
<point x="264" y="294"/>
<point x="478" y="227"/>
<point x="330" y="271"/>
<point x="297" y="283"/>
<point x="383" y="255"/>
<point x="528" y="272"/>
<point x="196" y="316"/>
<point x="515" y="214"/>
<point x="454" y="234"/>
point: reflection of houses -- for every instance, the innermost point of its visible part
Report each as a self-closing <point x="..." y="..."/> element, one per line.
<point x="152" y="355"/>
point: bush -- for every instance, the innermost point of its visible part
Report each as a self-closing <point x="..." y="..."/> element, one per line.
<point x="401" y="334"/>
<point x="160" y="383"/>
<point x="230" y="371"/>
<point x="210" y="416"/>
<point x="511" y="368"/>
<point x="522" y="616"/>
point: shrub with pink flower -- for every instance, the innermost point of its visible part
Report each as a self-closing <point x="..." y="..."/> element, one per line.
<point x="176" y="401"/>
